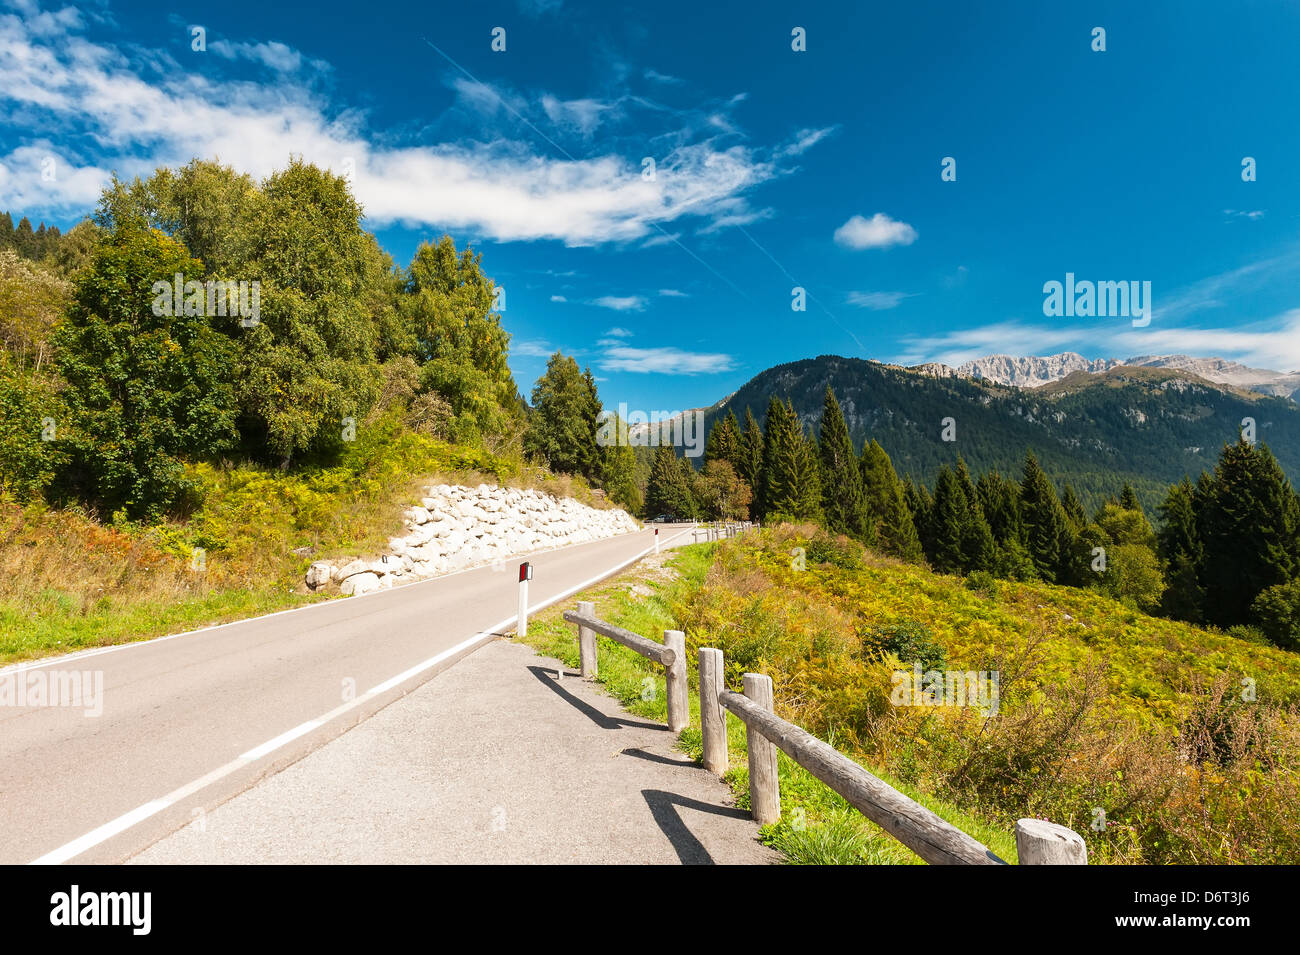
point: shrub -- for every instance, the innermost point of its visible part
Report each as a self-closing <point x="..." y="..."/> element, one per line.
<point x="1278" y="611"/>
<point x="908" y="640"/>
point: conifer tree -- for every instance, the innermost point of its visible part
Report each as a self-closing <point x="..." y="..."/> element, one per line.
<point x="808" y="480"/>
<point x="667" y="490"/>
<point x="890" y="522"/>
<point x="1179" y="546"/>
<point x="750" y="461"/>
<point x="1046" y="526"/>
<point x="843" y="503"/>
<point x="789" y="481"/>
<point x="948" y="519"/>
<point x="1248" y="523"/>
<point x="724" y="441"/>
<point x="1073" y="508"/>
<point x="1128" y="499"/>
<point x="921" y="504"/>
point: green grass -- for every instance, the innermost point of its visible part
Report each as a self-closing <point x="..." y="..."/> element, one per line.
<point x="57" y="625"/>
<point x="817" y="826"/>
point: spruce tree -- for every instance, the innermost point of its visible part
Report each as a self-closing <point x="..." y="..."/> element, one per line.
<point x="1179" y="546"/>
<point x="890" y="522"/>
<point x="1128" y="499"/>
<point x="667" y="490"/>
<point x="1046" y="526"/>
<point x="724" y="441"/>
<point x="921" y="504"/>
<point x="843" y="503"/>
<point x="790" y="485"/>
<point x="749" y="463"/>
<point x="808" y="480"/>
<point x="1248" y="523"/>
<point x="1073" y="508"/>
<point x="949" y="518"/>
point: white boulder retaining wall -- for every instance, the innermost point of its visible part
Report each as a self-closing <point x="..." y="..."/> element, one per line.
<point x="458" y="527"/>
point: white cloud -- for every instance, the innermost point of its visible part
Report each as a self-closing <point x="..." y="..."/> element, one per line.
<point x="655" y="76"/>
<point x="1239" y="214"/>
<point x="532" y="349"/>
<point x="672" y="293"/>
<point x="272" y="54"/>
<point x="619" y="331"/>
<point x="661" y="238"/>
<point x="665" y="361"/>
<point x="878" y="232"/>
<point x="558" y="298"/>
<point x="54" y="81"/>
<point x="805" y="140"/>
<point x="878" y="301"/>
<point x="621" y="303"/>
<point x="581" y="115"/>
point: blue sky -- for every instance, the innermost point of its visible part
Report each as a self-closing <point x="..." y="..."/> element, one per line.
<point x="773" y="168"/>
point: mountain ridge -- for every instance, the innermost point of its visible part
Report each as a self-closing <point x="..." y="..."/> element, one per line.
<point x="1034" y="371"/>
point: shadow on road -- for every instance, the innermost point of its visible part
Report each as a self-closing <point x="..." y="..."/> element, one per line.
<point x="664" y="807"/>
<point x="596" y="716"/>
<point x="656" y="758"/>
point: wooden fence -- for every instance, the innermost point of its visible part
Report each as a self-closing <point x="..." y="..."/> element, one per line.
<point x="719" y="530"/>
<point x="931" y="837"/>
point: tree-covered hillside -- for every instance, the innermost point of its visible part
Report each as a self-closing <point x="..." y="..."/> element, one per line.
<point x="1147" y="427"/>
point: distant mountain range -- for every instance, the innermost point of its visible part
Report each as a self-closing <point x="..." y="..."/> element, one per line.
<point x="1096" y="424"/>
<point x="1033" y="371"/>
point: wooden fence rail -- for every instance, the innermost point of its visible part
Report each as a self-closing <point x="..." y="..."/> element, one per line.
<point x="671" y="654"/>
<point x="931" y="837"/>
<point x="718" y="530"/>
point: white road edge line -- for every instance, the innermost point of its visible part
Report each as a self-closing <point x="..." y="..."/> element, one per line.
<point x="138" y="815"/>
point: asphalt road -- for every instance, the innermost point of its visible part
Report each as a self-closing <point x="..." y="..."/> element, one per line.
<point x="189" y="721"/>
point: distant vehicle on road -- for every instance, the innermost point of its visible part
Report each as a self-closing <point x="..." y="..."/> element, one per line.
<point x="664" y="519"/>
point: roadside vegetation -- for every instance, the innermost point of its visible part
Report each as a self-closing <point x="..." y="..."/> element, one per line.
<point x="215" y="380"/>
<point x="1158" y="741"/>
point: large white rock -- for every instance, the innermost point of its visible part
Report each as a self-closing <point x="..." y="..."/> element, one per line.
<point x="319" y="574"/>
<point x="457" y="527"/>
<point x="358" y="584"/>
<point x="352" y="568"/>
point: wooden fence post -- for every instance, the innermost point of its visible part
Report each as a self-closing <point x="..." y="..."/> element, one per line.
<point x="764" y="786"/>
<point x="679" y="707"/>
<point x="1039" y="842"/>
<point x="713" y="719"/>
<point x="587" y="642"/>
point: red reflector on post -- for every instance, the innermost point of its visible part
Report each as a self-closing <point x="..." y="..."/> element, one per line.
<point x="525" y="571"/>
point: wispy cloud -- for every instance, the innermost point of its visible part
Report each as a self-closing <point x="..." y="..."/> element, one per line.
<point x="805" y="140"/>
<point x="621" y="303"/>
<point x="878" y="232"/>
<point x="618" y="331"/>
<point x="537" y="348"/>
<point x="57" y="85"/>
<point x="672" y="293"/>
<point x="877" y="301"/>
<point x="558" y="298"/>
<point x="272" y="54"/>
<point x="664" y="361"/>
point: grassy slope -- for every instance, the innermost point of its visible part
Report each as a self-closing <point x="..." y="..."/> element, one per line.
<point x="1101" y="706"/>
<point x="69" y="582"/>
<point x="817" y="826"/>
